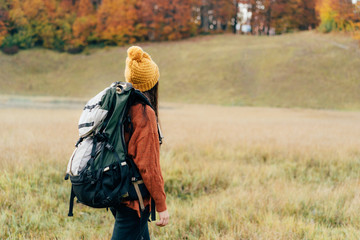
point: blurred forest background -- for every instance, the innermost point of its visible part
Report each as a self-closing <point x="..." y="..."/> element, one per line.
<point x="70" y="25"/>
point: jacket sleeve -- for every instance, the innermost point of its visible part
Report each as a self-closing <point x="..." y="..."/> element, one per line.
<point x="144" y="148"/>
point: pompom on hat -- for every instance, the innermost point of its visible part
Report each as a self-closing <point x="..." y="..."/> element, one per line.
<point x="140" y="70"/>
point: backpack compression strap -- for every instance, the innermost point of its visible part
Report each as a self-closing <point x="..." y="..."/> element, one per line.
<point x="153" y="214"/>
<point x="138" y="193"/>
<point x="71" y="205"/>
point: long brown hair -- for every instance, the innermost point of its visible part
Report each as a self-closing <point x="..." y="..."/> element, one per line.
<point x="153" y="95"/>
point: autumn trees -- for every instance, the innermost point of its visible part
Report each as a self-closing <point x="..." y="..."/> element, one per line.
<point x="72" y="24"/>
<point x="36" y="22"/>
<point x="69" y="25"/>
<point x="166" y="20"/>
<point x="288" y="15"/>
<point x="338" y="15"/>
<point x="282" y="15"/>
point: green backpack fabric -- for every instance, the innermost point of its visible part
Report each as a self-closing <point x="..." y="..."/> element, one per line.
<point x="101" y="172"/>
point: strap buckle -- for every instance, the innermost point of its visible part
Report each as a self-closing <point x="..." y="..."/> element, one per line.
<point x="109" y="147"/>
<point x="161" y="136"/>
<point x="141" y="201"/>
<point x="79" y="141"/>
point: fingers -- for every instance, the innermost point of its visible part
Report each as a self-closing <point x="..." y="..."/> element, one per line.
<point x="164" y="220"/>
<point x="160" y="223"/>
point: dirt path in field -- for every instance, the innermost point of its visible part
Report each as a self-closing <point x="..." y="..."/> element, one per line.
<point x="352" y="47"/>
<point x="210" y="125"/>
<point x="339" y="45"/>
<point x="10" y="101"/>
<point x="288" y="128"/>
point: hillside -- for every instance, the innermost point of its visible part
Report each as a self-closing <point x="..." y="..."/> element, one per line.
<point x="305" y="69"/>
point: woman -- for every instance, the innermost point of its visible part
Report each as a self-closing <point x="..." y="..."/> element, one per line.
<point x="143" y="147"/>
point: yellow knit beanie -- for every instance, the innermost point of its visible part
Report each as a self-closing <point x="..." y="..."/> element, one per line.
<point x="140" y="70"/>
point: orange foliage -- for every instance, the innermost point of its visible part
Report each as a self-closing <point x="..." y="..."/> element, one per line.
<point x="33" y="8"/>
<point x="115" y="21"/>
<point x="3" y="32"/>
<point x="84" y="24"/>
<point x="84" y="8"/>
<point x="83" y="28"/>
<point x="165" y="19"/>
<point x="282" y="15"/>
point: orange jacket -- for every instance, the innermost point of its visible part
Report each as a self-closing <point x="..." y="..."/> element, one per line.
<point x="144" y="148"/>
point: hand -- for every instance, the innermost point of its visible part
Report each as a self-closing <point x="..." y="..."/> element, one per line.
<point x="164" y="219"/>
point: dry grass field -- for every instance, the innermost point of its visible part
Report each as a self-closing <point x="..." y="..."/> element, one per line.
<point x="230" y="173"/>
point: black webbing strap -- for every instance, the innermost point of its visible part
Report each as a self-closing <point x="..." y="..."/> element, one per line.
<point x="128" y="127"/>
<point x="92" y="156"/>
<point x="79" y="141"/>
<point x="99" y="176"/>
<point x="71" y="204"/>
<point x="153" y="213"/>
<point x="141" y="228"/>
<point x="113" y="194"/>
<point x="123" y="177"/>
<point x="93" y="153"/>
<point x="142" y="212"/>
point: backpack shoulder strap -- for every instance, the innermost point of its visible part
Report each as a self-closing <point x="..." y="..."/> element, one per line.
<point x="139" y="96"/>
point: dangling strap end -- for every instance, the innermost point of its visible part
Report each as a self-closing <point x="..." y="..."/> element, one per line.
<point x="161" y="136"/>
<point x="153" y="213"/>
<point x="138" y="193"/>
<point x="71" y="204"/>
<point x="79" y="141"/>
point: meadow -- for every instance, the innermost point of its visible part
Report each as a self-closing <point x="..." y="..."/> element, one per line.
<point x="242" y="173"/>
<point x="277" y="157"/>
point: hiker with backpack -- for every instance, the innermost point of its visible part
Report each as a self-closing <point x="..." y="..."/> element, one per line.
<point x="116" y="160"/>
<point x="143" y="147"/>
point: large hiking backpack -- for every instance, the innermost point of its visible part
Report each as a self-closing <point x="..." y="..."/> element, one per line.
<point x="101" y="172"/>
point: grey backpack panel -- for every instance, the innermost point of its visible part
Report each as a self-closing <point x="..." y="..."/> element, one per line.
<point x="81" y="156"/>
<point x="93" y="114"/>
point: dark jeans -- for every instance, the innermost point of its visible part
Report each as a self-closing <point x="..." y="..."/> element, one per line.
<point x="128" y="226"/>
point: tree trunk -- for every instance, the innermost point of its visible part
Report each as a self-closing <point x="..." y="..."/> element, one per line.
<point x="204" y="16"/>
<point x="253" y="15"/>
<point x="268" y="19"/>
<point x="235" y="17"/>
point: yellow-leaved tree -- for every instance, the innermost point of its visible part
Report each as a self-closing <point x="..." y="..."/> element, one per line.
<point x="336" y="15"/>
